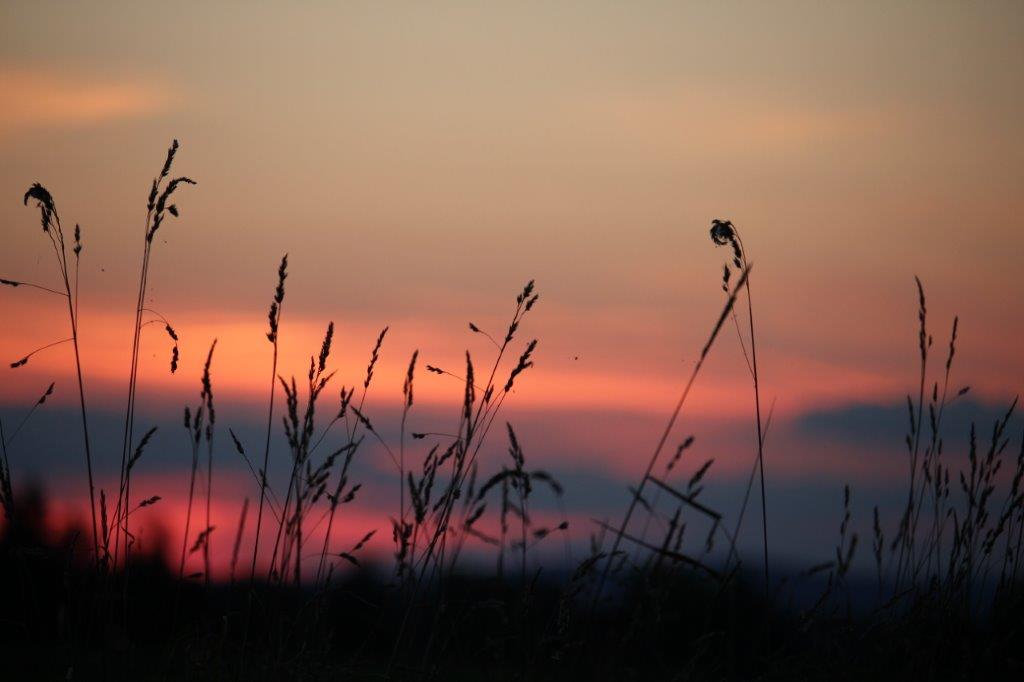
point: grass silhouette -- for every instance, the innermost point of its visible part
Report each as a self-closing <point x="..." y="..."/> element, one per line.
<point x="946" y="596"/>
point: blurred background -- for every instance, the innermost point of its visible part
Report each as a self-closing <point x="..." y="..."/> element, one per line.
<point x="420" y="162"/>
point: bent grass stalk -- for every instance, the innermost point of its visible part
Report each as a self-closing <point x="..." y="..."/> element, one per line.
<point x="50" y="220"/>
<point x="639" y="488"/>
<point x="722" y="233"/>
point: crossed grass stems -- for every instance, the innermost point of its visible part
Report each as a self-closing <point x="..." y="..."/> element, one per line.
<point x="944" y="548"/>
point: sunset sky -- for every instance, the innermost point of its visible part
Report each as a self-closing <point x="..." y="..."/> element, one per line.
<point x="419" y="162"/>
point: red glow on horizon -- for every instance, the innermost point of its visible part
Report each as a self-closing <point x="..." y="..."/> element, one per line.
<point x="158" y="529"/>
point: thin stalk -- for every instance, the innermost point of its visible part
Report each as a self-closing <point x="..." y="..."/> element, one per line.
<point x="266" y="461"/>
<point x="188" y="510"/>
<point x="209" y="496"/>
<point x="13" y="283"/>
<point x="238" y="538"/>
<point x="156" y="210"/>
<point x="7" y="471"/>
<point x="924" y="343"/>
<point x="746" y="493"/>
<point x="124" y="496"/>
<point x="760" y="429"/>
<point x="72" y="300"/>
<point x="276" y="310"/>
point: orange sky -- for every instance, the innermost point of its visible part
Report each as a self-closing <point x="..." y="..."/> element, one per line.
<point x="420" y="162"/>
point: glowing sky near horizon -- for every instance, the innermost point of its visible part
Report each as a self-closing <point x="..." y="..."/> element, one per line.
<point x="420" y="161"/>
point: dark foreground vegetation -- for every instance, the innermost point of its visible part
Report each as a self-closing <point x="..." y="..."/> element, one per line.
<point x="662" y="593"/>
<point x="63" y="621"/>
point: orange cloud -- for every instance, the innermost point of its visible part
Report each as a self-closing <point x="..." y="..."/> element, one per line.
<point x="36" y="98"/>
<point x="242" y="362"/>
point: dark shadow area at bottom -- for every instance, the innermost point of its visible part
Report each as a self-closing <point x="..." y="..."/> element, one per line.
<point x="63" y="619"/>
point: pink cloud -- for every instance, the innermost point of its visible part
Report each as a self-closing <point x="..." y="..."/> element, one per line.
<point x="41" y="98"/>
